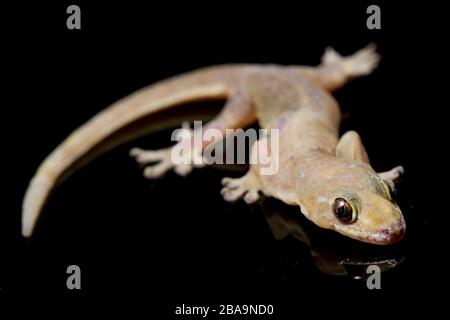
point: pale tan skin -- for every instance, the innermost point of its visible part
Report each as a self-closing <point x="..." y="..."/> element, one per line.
<point x="316" y="167"/>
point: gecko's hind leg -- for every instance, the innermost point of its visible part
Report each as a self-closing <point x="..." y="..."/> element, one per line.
<point x="360" y="63"/>
<point x="160" y="157"/>
<point x="161" y="161"/>
<point x="247" y="186"/>
<point x="335" y="70"/>
<point x="238" y="112"/>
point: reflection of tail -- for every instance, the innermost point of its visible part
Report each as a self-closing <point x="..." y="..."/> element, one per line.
<point x="210" y="83"/>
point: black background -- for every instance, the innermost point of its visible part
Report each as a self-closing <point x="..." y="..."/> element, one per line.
<point x="175" y="240"/>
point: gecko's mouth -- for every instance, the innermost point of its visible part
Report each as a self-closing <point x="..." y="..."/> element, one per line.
<point x="389" y="235"/>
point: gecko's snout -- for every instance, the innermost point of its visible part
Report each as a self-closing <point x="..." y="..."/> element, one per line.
<point x="391" y="235"/>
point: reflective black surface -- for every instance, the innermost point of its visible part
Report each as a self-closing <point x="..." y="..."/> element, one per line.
<point x="177" y="237"/>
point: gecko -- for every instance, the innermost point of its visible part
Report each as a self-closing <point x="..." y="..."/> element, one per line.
<point x="329" y="177"/>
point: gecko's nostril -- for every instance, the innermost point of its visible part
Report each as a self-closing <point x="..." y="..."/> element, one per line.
<point x="392" y="236"/>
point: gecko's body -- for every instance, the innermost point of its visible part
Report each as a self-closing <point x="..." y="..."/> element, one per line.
<point x="329" y="178"/>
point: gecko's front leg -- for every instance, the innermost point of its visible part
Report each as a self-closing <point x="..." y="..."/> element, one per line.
<point x="247" y="186"/>
<point x="391" y="176"/>
<point x="350" y="147"/>
<point x="251" y="184"/>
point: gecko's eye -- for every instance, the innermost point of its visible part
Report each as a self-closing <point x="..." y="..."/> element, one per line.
<point x="344" y="211"/>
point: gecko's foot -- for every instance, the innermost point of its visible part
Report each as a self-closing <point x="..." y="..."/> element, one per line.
<point x="391" y="176"/>
<point x="160" y="158"/>
<point x="163" y="161"/>
<point x="361" y="63"/>
<point x="246" y="186"/>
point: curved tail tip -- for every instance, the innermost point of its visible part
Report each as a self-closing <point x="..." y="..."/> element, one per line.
<point x="27" y="229"/>
<point x="35" y="197"/>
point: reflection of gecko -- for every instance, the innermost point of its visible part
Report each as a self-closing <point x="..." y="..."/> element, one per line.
<point x="331" y="255"/>
<point x="330" y="178"/>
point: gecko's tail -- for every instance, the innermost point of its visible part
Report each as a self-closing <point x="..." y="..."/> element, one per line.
<point x="210" y="83"/>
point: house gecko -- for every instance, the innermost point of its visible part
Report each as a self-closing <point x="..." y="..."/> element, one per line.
<point x="328" y="177"/>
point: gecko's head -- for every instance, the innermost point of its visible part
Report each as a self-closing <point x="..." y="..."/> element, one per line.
<point x="357" y="203"/>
